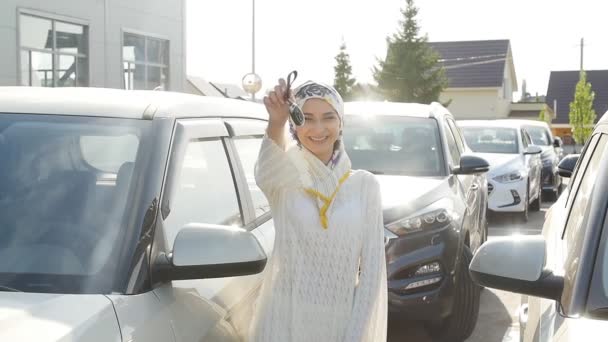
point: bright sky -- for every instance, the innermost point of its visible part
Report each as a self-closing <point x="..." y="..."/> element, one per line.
<point x="306" y="35"/>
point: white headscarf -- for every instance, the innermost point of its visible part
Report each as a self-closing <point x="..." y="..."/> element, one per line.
<point x="313" y="90"/>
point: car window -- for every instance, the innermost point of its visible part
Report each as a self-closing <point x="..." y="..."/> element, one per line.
<point x="100" y="151"/>
<point x="457" y="134"/>
<point x="540" y="136"/>
<point x="451" y="141"/>
<point x="204" y="189"/>
<point x="63" y="209"/>
<point x="395" y="145"/>
<point x="579" y="211"/>
<point x="248" y="149"/>
<point x="491" y="139"/>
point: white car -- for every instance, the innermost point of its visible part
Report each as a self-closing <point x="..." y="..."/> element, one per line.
<point x="127" y="215"/>
<point x="514" y="179"/>
<point x="563" y="273"/>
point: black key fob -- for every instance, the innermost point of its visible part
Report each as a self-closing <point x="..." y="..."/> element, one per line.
<point x="297" y="117"/>
<point x="295" y="113"/>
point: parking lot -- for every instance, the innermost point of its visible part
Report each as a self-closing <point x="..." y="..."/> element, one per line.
<point x="498" y="316"/>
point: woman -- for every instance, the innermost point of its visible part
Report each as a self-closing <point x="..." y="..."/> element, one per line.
<point x="326" y="278"/>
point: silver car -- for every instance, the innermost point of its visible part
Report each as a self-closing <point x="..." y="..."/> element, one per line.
<point x="129" y="215"/>
<point x="563" y="273"/>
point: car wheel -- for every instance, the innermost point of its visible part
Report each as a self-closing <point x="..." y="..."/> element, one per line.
<point x="535" y="206"/>
<point x="459" y="325"/>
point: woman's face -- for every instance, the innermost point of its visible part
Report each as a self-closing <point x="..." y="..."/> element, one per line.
<point x="320" y="130"/>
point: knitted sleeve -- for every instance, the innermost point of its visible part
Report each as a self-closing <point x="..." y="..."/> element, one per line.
<point x="274" y="170"/>
<point x="368" y="320"/>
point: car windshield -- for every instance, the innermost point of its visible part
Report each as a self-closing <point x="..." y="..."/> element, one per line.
<point x="540" y="136"/>
<point x="64" y="183"/>
<point x="491" y="139"/>
<point x="394" y="145"/>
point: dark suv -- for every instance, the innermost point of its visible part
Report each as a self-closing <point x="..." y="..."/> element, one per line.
<point x="434" y="195"/>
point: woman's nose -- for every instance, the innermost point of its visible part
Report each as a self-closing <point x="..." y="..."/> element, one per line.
<point x="318" y="126"/>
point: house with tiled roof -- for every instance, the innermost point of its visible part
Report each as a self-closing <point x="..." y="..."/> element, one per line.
<point x="481" y="77"/>
<point x="560" y="93"/>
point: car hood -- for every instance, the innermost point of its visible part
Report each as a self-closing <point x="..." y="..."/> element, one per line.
<point x="405" y="193"/>
<point x="501" y="162"/>
<point x="55" y="317"/>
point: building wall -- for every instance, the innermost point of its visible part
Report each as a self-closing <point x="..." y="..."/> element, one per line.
<point x="505" y="94"/>
<point x="472" y="104"/>
<point x="106" y="21"/>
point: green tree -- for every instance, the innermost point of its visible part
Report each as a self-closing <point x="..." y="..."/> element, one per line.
<point x="582" y="115"/>
<point x="343" y="80"/>
<point x="411" y="71"/>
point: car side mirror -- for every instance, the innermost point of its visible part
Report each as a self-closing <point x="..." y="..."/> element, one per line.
<point x="516" y="264"/>
<point x="566" y="166"/>
<point x="533" y="149"/>
<point x="204" y="251"/>
<point x="470" y="164"/>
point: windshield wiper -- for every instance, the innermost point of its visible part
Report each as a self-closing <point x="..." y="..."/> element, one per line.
<point x="8" y="289"/>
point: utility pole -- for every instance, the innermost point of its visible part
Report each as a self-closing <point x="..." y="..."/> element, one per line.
<point x="252" y="83"/>
<point x="253" y="42"/>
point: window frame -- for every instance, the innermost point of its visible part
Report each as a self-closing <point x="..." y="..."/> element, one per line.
<point x="243" y="128"/>
<point x="581" y="164"/>
<point x="574" y="299"/>
<point x="146" y="36"/>
<point x="447" y="131"/>
<point x="54" y="53"/>
<point x="460" y="142"/>
<point x="598" y="298"/>
<point x="185" y="131"/>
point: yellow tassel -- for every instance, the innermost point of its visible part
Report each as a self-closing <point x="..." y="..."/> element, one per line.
<point x="327" y="200"/>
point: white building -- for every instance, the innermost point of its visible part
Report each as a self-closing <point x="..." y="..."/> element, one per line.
<point x="136" y="44"/>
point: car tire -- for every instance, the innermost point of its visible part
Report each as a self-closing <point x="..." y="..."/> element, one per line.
<point x="535" y="206"/>
<point x="459" y="325"/>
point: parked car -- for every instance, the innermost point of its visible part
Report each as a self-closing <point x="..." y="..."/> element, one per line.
<point x="552" y="153"/>
<point x="116" y="207"/>
<point x="434" y="197"/>
<point x="514" y="179"/>
<point x="562" y="273"/>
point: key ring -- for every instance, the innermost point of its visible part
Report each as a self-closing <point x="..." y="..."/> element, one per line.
<point x="295" y="113"/>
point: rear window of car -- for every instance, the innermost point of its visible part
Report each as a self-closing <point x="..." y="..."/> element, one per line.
<point x="395" y="145"/>
<point x="491" y="139"/>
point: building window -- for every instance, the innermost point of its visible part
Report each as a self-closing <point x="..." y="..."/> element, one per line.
<point x="53" y="53"/>
<point x="146" y="62"/>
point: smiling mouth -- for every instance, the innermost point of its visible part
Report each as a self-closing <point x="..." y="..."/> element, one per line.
<point x="318" y="139"/>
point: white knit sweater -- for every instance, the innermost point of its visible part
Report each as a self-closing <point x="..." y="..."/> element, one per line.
<point x="312" y="289"/>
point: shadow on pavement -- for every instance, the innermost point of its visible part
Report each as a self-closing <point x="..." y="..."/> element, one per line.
<point x="501" y="224"/>
<point x="494" y="322"/>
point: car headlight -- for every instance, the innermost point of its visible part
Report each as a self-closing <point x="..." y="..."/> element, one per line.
<point x="434" y="216"/>
<point x="510" y="177"/>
